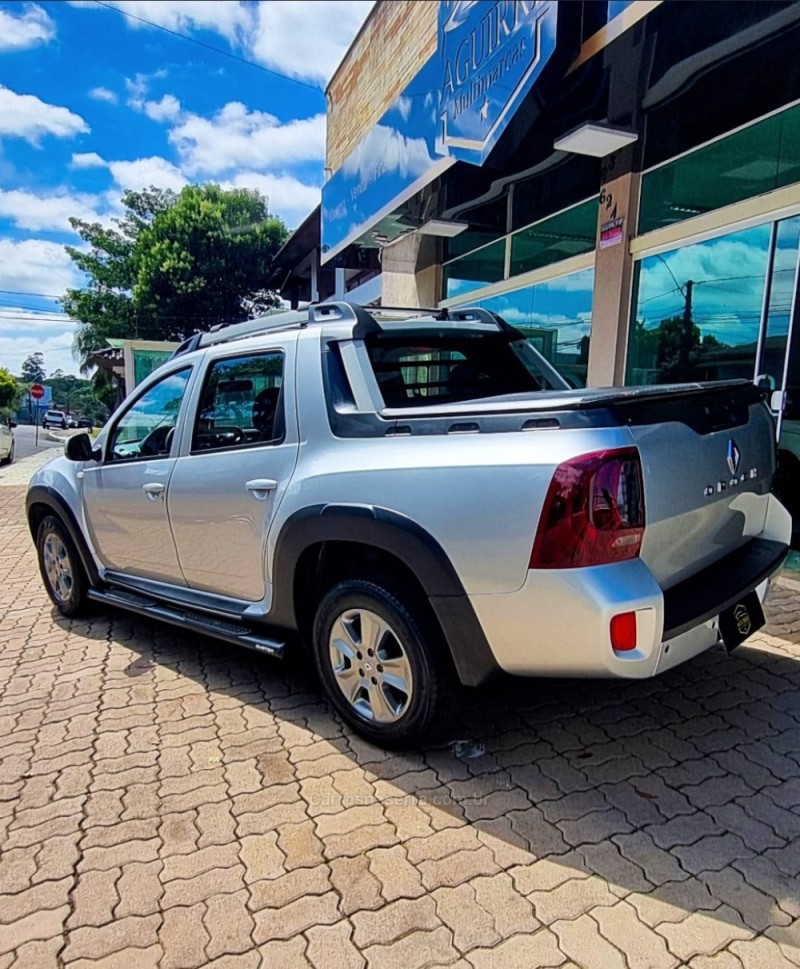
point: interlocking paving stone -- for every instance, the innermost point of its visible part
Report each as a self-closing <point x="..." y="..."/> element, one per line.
<point x="168" y="802"/>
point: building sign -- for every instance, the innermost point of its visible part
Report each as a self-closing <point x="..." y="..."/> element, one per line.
<point x="488" y="58"/>
<point x="488" y="54"/>
<point x="611" y="233"/>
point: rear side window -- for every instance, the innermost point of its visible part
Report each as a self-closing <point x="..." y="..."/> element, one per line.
<point x="241" y="404"/>
<point x="437" y="367"/>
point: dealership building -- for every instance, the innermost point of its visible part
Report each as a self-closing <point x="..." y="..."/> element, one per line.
<point x="620" y="180"/>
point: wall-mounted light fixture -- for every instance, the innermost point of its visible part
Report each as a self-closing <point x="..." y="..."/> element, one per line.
<point x="442" y="228"/>
<point x="594" y="139"/>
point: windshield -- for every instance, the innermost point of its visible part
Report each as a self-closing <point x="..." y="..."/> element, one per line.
<point x="445" y="366"/>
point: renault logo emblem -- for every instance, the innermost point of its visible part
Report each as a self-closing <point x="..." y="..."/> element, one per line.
<point x="734" y="456"/>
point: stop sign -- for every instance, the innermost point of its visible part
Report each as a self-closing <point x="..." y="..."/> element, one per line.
<point x="37" y="391"/>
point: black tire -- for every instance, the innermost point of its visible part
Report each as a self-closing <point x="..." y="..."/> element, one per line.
<point x="411" y="640"/>
<point x="61" y="567"/>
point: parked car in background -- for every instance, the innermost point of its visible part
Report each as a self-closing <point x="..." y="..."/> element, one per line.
<point x="6" y="440"/>
<point x="84" y="422"/>
<point x="55" y="418"/>
<point x="72" y="422"/>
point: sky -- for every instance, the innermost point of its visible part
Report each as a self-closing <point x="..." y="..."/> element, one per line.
<point x="93" y="101"/>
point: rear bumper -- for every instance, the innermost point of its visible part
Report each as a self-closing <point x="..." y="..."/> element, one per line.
<point x="558" y="623"/>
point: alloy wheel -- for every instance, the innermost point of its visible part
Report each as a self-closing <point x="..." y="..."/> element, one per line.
<point x="370" y="665"/>
<point x="58" y="567"/>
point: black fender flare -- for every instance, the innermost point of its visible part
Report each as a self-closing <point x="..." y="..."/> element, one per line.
<point x="55" y="504"/>
<point x="407" y="541"/>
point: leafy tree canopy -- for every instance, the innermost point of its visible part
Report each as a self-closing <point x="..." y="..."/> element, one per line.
<point x="33" y="369"/>
<point x="9" y="391"/>
<point x="174" y="264"/>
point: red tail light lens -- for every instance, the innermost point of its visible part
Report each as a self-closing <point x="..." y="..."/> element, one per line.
<point x="623" y="632"/>
<point x="593" y="513"/>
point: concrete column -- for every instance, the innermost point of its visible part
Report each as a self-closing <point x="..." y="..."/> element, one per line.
<point x="340" y="286"/>
<point x="410" y="272"/>
<point x="613" y="281"/>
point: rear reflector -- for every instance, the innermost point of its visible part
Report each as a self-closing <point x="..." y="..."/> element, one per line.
<point x="593" y="513"/>
<point x="623" y="632"/>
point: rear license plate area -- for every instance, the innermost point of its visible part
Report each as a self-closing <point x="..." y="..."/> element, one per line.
<point x="741" y="620"/>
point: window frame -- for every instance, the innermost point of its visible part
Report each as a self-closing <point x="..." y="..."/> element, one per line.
<point x="280" y="408"/>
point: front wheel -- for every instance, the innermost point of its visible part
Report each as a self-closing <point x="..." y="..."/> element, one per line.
<point x="61" y="567"/>
<point x="381" y="660"/>
<point x="9" y="458"/>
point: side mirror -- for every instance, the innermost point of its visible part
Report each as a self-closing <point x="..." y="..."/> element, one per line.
<point x="79" y="448"/>
<point x="765" y="383"/>
<point x="12" y="424"/>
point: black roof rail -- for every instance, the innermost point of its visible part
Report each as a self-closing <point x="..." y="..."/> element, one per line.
<point x="484" y="316"/>
<point x="343" y="311"/>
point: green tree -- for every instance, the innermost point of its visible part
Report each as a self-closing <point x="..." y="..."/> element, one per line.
<point x="175" y="264"/>
<point x="33" y="369"/>
<point x="10" y="391"/>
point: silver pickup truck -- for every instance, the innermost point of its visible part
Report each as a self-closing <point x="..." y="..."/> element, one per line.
<point x="418" y="500"/>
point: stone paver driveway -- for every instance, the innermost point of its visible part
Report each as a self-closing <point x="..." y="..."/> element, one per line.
<point x="165" y="801"/>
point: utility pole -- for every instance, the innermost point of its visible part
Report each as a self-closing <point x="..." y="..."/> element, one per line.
<point x="688" y="331"/>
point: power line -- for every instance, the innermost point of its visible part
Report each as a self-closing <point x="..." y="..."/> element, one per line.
<point x="218" y="50"/>
<point x="18" y="292"/>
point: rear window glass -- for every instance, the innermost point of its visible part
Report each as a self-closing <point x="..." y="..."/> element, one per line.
<point x="415" y="368"/>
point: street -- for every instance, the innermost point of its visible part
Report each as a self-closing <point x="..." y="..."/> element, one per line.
<point x="25" y="436"/>
<point x="169" y="801"/>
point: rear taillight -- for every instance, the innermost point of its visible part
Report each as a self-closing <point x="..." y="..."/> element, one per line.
<point x="593" y="513"/>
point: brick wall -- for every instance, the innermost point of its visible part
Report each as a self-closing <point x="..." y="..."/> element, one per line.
<point x="398" y="38"/>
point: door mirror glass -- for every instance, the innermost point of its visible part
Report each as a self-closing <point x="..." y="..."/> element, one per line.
<point x="79" y="448"/>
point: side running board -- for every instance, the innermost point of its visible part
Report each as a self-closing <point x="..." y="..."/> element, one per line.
<point x="198" y="622"/>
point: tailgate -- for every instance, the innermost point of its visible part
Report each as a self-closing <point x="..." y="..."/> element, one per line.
<point x="707" y="460"/>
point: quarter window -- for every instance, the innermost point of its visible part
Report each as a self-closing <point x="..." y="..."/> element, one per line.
<point x="241" y="404"/>
<point x="147" y="428"/>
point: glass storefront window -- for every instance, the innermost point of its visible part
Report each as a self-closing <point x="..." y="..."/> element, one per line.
<point x="757" y="159"/>
<point x="556" y="316"/>
<point x="475" y="270"/>
<point x="781" y="292"/>
<point x="698" y="310"/>
<point x="567" y="234"/>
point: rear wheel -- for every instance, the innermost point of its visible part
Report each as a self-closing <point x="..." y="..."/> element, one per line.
<point x="61" y="568"/>
<point x="380" y="658"/>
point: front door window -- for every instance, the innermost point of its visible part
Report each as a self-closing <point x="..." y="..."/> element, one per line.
<point x="146" y="429"/>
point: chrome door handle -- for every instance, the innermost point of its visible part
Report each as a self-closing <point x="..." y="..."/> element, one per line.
<point x="261" y="487"/>
<point x="154" y="490"/>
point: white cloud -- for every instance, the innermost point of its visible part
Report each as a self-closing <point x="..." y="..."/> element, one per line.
<point x="236" y="137"/>
<point x="306" y="41"/>
<point x="26" y="116"/>
<point x="144" y="172"/>
<point x="103" y="94"/>
<point x="301" y="40"/>
<point x="289" y="198"/>
<point x="22" y="333"/>
<point x="167" y="109"/>
<point x="49" y="213"/>
<point x="87" y="159"/>
<point x="226" y="17"/>
<point x="33" y="27"/>
<point x="36" y="266"/>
